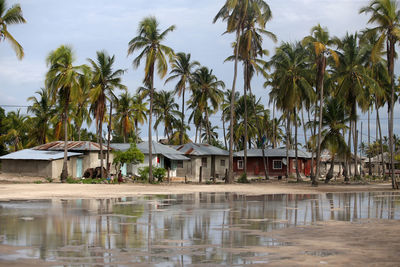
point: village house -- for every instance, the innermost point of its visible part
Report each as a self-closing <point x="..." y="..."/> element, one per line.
<point x="276" y="162"/>
<point x="47" y="160"/>
<point x="339" y="162"/>
<point x="163" y="156"/>
<point x="212" y="161"/>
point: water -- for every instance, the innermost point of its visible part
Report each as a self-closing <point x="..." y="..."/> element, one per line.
<point x="207" y="229"/>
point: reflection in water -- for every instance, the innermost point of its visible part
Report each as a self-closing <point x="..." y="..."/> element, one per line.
<point x="174" y="230"/>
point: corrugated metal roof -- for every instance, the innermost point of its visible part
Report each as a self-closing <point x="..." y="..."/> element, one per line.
<point x="192" y="149"/>
<point x="277" y="152"/>
<point x="71" y="146"/>
<point x="157" y="149"/>
<point x="31" y="154"/>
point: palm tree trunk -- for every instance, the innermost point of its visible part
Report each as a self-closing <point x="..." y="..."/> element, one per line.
<point x="246" y="137"/>
<point x="304" y="127"/>
<point x="208" y="128"/>
<point x="230" y="172"/>
<point x="320" y="86"/>
<point x="380" y="139"/>
<point x="314" y="132"/>
<point x="183" y="117"/>
<point x="287" y="144"/>
<point x="224" y="131"/>
<point x="329" y="175"/>
<point x="273" y="126"/>
<point x="296" y="148"/>
<point x="109" y="138"/>
<point x="64" y="172"/>
<point x="136" y="132"/>
<point x="355" y="143"/>
<point x="369" y="143"/>
<point x="101" y="147"/>
<point x="150" y="126"/>
<point x="349" y="144"/>
<point x="195" y="137"/>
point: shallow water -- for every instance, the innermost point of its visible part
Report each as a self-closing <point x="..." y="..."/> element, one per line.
<point x="205" y="229"/>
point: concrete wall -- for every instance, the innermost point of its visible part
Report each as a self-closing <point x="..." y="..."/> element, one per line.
<point x="192" y="168"/>
<point x="39" y="168"/>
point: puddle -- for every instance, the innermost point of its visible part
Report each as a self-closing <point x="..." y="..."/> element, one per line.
<point x="205" y="229"/>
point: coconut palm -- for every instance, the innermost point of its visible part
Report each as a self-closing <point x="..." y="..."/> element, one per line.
<point x="291" y="77"/>
<point x="80" y="112"/>
<point x="386" y="15"/>
<point x="16" y="135"/>
<point x="11" y="16"/>
<point x="206" y="92"/>
<point x="334" y="121"/>
<point x="150" y="40"/>
<point x="321" y="42"/>
<point x="235" y="14"/>
<point x="104" y="81"/>
<point x="124" y="115"/>
<point x="43" y="111"/>
<point x="62" y="80"/>
<point x="182" y="69"/>
<point x="166" y="111"/>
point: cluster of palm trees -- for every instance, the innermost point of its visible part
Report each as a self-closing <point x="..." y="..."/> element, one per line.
<point x="320" y="83"/>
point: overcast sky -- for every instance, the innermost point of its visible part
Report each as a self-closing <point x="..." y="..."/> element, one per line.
<point x="93" y="25"/>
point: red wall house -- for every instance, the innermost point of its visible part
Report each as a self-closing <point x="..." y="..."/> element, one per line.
<point x="275" y="164"/>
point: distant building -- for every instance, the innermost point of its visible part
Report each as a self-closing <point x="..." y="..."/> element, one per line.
<point x="213" y="161"/>
<point x="275" y="160"/>
<point x="47" y="160"/>
<point x="163" y="156"/>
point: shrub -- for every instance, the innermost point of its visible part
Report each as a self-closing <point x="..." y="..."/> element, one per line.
<point x="243" y="179"/>
<point x="158" y="173"/>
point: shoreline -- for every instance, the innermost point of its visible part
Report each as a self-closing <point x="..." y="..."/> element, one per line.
<point x="32" y="191"/>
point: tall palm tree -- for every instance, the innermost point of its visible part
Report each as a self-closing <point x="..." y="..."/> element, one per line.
<point x="43" y="111"/>
<point x="62" y="80"/>
<point x="292" y="80"/>
<point x="104" y="81"/>
<point x="124" y="115"/>
<point x="207" y="93"/>
<point x="150" y="40"/>
<point x="11" y="16"/>
<point x="321" y="41"/>
<point x="166" y="111"/>
<point x="182" y="69"/>
<point x="386" y="15"/>
<point x="235" y="14"/>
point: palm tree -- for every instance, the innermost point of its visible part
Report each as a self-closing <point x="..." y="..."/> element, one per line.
<point x="166" y="111"/>
<point x="16" y="135"/>
<point x="104" y="81"/>
<point x="386" y="15"/>
<point x="124" y="115"/>
<point x="149" y="39"/>
<point x="43" y="111"/>
<point x="334" y="119"/>
<point x="206" y="91"/>
<point x="182" y="69"/>
<point x="225" y="107"/>
<point x="62" y="80"/>
<point x="292" y="79"/>
<point x="11" y="16"/>
<point x="235" y="14"/>
<point x="139" y="113"/>
<point x="80" y="111"/>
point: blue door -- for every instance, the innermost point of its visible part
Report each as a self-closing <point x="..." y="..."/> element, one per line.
<point x="123" y="169"/>
<point x="79" y="167"/>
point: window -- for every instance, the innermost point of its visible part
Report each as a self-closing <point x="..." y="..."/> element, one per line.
<point x="204" y="162"/>
<point x="222" y="163"/>
<point x="240" y="164"/>
<point x="179" y="164"/>
<point x="277" y="164"/>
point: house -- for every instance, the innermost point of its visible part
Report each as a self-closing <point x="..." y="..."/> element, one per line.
<point x="276" y="162"/>
<point x="47" y="160"/>
<point x="338" y="164"/>
<point x="376" y="163"/>
<point x="212" y="160"/>
<point x="163" y="156"/>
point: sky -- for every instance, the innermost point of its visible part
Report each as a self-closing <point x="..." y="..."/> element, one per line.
<point x="94" y="25"/>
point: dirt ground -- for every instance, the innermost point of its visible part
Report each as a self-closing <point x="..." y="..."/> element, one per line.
<point x="360" y="243"/>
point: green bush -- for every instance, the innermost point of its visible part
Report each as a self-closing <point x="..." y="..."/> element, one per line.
<point x="158" y="173"/>
<point x="71" y="180"/>
<point x="243" y="179"/>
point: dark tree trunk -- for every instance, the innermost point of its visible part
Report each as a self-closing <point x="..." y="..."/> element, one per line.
<point x="109" y="138"/>
<point x="183" y="118"/>
<point x="329" y="175"/>
<point x="151" y="180"/>
<point x="64" y="172"/>
<point x="296" y="149"/>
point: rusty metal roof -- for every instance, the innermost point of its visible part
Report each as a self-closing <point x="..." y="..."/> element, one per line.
<point x="71" y="146"/>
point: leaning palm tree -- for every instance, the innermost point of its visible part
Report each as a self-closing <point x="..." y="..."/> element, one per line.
<point x="149" y="40"/>
<point x="11" y="16"/>
<point x="104" y="81"/>
<point x="62" y="80"/>
<point x="182" y="69"/>
<point x="320" y="41"/>
<point x="235" y="14"/>
<point x="386" y="15"/>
